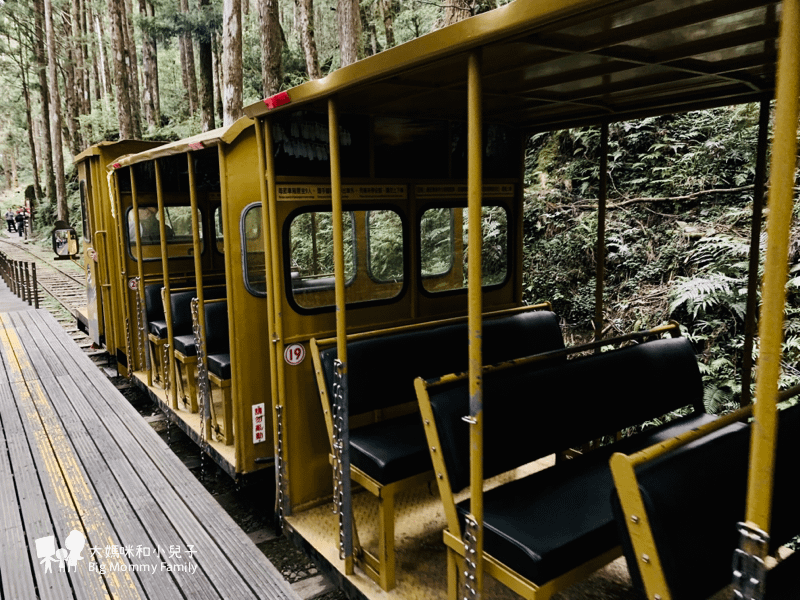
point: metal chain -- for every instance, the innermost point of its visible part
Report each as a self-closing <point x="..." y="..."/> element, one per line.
<point x="128" y="347"/>
<point x="749" y="566"/>
<point x="202" y="371"/>
<point x="140" y="334"/>
<point x="165" y="356"/>
<point x="202" y="380"/>
<point x="279" y="464"/>
<point x="338" y="475"/>
<point x="470" y="559"/>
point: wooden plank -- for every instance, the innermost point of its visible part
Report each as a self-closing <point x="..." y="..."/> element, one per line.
<point x="210" y="557"/>
<point x="239" y="556"/>
<point x="33" y="507"/>
<point x="158" y="531"/>
<point x="63" y="488"/>
<point x="17" y="576"/>
<point x="31" y="338"/>
<point x="20" y="366"/>
<point x="128" y="530"/>
<point x="37" y="361"/>
<point x="11" y="370"/>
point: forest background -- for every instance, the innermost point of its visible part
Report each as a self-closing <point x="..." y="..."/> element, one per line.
<point x="681" y="188"/>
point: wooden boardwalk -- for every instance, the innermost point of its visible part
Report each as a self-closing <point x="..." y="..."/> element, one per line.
<point x="93" y="504"/>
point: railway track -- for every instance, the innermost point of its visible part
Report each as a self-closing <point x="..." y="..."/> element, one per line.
<point x="62" y="289"/>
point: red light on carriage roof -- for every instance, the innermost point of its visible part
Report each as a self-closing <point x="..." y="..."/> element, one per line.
<point x="116" y="165"/>
<point x="277" y="100"/>
<point x="196" y="146"/>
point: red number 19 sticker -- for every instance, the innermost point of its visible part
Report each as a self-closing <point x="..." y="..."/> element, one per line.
<point x="294" y="354"/>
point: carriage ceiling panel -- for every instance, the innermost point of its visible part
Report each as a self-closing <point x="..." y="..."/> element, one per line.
<point x="570" y="63"/>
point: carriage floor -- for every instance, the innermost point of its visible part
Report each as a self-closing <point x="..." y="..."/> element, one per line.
<point x="421" y="555"/>
<point x="93" y="504"/>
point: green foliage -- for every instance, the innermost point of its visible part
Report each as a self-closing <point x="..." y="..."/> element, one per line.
<point x="683" y="259"/>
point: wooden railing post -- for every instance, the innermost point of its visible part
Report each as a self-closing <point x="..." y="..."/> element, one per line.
<point x="28" y="284"/>
<point x="35" y="286"/>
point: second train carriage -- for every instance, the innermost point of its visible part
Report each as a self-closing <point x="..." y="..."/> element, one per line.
<point x="333" y="232"/>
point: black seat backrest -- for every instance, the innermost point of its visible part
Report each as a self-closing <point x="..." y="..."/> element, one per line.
<point x="217" y="339"/>
<point x="181" y="306"/>
<point x="531" y="412"/>
<point x="694" y="496"/>
<point x="381" y="370"/>
<point x="154" y="307"/>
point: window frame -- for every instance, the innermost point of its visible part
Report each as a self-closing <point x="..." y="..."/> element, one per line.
<point x="131" y="244"/>
<point x="351" y="208"/>
<point x="444" y="203"/>
<point x="243" y="240"/>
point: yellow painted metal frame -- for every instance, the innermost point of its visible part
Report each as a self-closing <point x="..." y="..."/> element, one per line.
<point x="381" y="567"/>
<point x="781" y="193"/>
<point x="455" y="544"/>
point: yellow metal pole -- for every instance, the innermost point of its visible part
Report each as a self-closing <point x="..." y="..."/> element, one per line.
<point x="600" y="258"/>
<point x="755" y="253"/>
<point x="474" y="320"/>
<point x="269" y="214"/>
<point x="341" y="323"/>
<point x="122" y="304"/>
<point x="139" y="264"/>
<point x="782" y="171"/>
<point x="172" y="392"/>
<point x="197" y="250"/>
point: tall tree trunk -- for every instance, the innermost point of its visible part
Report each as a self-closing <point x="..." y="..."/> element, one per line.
<point x="7" y="169"/>
<point x="349" y="31"/>
<point x="37" y="186"/>
<point x="121" y="79"/>
<point x="132" y="64"/>
<point x="41" y="64"/>
<point x="187" y="62"/>
<point x="55" y="121"/>
<point x="151" y="11"/>
<point x="305" y="27"/>
<point x="231" y="61"/>
<point x="388" y="9"/>
<point x="368" y="26"/>
<point x="102" y="56"/>
<point x="71" y="91"/>
<point x="78" y="45"/>
<point x="217" y="56"/>
<point x="87" y="85"/>
<point x="206" y="59"/>
<point x="271" y="46"/>
<point x="455" y="11"/>
<point x="149" y="71"/>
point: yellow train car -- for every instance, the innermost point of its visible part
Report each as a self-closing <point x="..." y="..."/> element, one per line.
<point x="99" y="243"/>
<point x="296" y="293"/>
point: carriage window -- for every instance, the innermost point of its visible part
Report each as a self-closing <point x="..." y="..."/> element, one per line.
<point x="373" y="248"/>
<point x="220" y="242"/>
<point x="253" y="257"/>
<point x="87" y="230"/>
<point x="444" y="235"/>
<point x="385" y="242"/>
<point x="178" y="220"/>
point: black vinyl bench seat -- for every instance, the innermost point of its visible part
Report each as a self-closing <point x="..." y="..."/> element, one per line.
<point x="391" y="454"/>
<point x="557" y="522"/>
<point x="695" y="495"/>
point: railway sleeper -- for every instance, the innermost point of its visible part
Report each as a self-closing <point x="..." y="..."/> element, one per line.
<point x="547" y="530"/>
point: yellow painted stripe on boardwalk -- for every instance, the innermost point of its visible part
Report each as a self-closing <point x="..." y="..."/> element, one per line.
<point x="72" y="492"/>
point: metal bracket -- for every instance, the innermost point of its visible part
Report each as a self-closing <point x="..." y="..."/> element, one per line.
<point x="749" y="566"/>
<point x="342" y="500"/>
